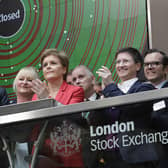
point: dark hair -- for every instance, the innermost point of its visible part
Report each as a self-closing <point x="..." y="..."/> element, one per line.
<point x="133" y="52"/>
<point x="61" y="56"/>
<point x="164" y="55"/>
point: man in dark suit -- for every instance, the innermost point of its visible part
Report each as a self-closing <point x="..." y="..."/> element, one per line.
<point x="156" y="69"/>
<point x="128" y="63"/>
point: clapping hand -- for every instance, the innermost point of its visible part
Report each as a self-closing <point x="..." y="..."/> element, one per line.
<point x="40" y="88"/>
<point x="106" y="75"/>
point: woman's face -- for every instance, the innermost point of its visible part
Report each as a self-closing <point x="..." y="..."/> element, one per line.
<point x="24" y="83"/>
<point x="126" y="67"/>
<point x="52" y="68"/>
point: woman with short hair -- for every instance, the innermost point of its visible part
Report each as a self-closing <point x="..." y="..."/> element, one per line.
<point x="62" y="141"/>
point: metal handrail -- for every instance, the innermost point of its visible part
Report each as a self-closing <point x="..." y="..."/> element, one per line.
<point x="84" y="106"/>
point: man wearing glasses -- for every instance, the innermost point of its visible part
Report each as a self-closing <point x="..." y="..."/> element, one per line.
<point x="156" y="69"/>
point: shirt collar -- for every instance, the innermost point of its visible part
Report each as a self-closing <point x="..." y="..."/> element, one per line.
<point x="93" y="97"/>
<point x="126" y="85"/>
<point x="160" y="85"/>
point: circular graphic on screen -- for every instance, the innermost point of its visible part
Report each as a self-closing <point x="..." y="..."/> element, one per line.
<point x="12" y="15"/>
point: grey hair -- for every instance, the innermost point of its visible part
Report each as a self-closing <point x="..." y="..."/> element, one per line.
<point x="89" y="72"/>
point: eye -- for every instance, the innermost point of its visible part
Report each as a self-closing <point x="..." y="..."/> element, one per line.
<point x="118" y="62"/>
<point x="45" y="64"/>
<point x="21" y="79"/>
<point x="53" y="62"/>
<point x="81" y="76"/>
<point x="73" y="79"/>
<point x="125" y="61"/>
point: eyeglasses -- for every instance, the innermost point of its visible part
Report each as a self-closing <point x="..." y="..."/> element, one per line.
<point x="152" y="64"/>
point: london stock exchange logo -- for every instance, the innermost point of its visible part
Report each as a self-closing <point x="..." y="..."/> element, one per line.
<point x="12" y="16"/>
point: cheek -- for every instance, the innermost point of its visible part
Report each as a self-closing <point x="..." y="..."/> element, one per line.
<point x="18" y="84"/>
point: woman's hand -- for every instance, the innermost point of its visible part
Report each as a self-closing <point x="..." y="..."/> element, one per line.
<point x="106" y="76"/>
<point x="40" y="88"/>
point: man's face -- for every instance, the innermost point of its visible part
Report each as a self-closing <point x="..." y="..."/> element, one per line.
<point x="154" y="70"/>
<point x="126" y="67"/>
<point x="81" y="77"/>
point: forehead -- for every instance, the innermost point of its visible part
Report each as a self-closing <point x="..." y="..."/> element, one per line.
<point x="79" y="71"/>
<point x="124" y="55"/>
<point x="26" y="74"/>
<point x="153" y="57"/>
<point x="51" y="57"/>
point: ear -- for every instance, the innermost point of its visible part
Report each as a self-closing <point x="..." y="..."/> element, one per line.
<point x="93" y="80"/>
<point x="138" y="66"/>
<point x="166" y="69"/>
<point x="64" y="70"/>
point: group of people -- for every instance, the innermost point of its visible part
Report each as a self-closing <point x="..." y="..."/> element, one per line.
<point x="63" y="142"/>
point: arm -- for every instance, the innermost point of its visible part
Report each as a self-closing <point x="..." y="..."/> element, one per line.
<point x="112" y="90"/>
<point x="144" y="87"/>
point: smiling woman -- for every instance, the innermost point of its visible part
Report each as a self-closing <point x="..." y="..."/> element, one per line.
<point x="23" y="84"/>
<point x="23" y="88"/>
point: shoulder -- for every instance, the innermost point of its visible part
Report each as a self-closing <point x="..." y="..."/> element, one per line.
<point x="143" y="86"/>
<point x="110" y="87"/>
<point x="165" y="85"/>
<point x="72" y="88"/>
<point x="70" y="94"/>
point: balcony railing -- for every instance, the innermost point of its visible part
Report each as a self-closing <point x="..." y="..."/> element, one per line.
<point x="21" y="116"/>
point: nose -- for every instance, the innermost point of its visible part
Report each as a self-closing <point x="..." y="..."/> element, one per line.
<point x="25" y="81"/>
<point x="149" y="66"/>
<point x="77" y="81"/>
<point x="120" y="64"/>
<point x="48" y="66"/>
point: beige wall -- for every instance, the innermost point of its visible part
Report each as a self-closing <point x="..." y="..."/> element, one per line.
<point x="159" y="24"/>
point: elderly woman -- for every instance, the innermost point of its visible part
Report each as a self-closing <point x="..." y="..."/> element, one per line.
<point x="22" y="85"/>
<point x="62" y="141"/>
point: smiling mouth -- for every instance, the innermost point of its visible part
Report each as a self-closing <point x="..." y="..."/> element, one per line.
<point x="49" y="72"/>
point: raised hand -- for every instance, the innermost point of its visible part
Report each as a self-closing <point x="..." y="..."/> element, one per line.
<point x="40" y="88"/>
<point x="105" y="74"/>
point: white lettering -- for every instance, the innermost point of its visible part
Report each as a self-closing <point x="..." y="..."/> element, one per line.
<point x="104" y="144"/>
<point x="112" y="129"/>
<point x="9" y="16"/>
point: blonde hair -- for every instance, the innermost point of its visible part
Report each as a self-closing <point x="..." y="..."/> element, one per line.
<point x="26" y="70"/>
<point x="62" y="56"/>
